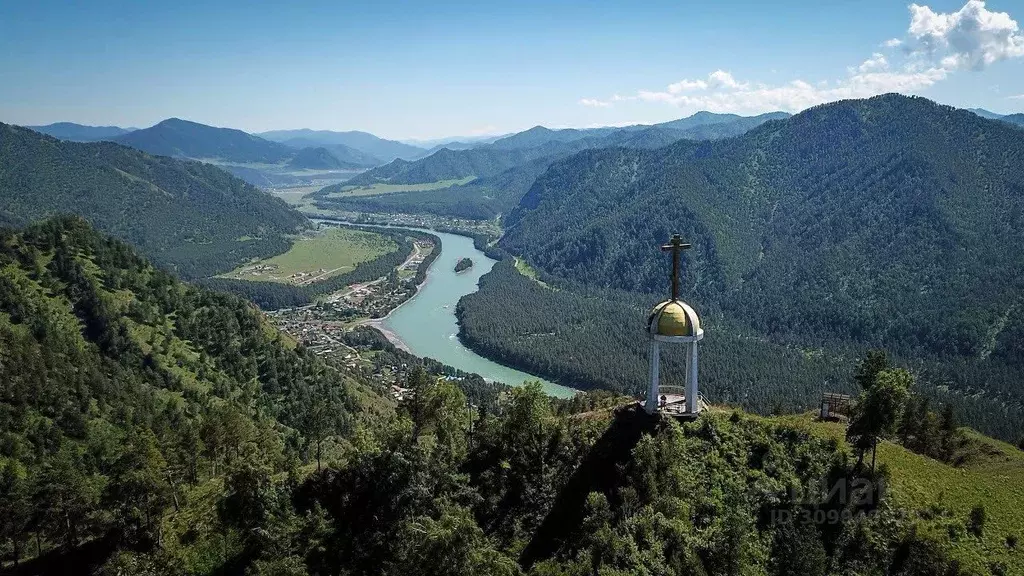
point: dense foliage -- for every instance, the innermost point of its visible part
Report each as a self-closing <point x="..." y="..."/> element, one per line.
<point x="191" y="217"/>
<point x="463" y="264"/>
<point x="891" y="222"/>
<point x="123" y="387"/>
<point x="152" y="427"/>
<point x="591" y="338"/>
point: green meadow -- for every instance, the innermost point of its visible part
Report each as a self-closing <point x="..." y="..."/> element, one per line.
<point x="326" y="253"/>
<point x="383" y="188"/>
<point x="941" y="496"/>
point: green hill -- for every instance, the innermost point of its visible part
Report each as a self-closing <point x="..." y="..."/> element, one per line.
<point x="369" y="145"/>
<point x="181" y="138"/>
<point x="319" y="159"/>
<point x="79" y="132"/>
<point x="189" y="216"/>
<point x="122" y="385"/>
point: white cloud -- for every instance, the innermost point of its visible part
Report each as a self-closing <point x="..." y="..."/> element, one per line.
<point x="722" y="78"/>
<point x="595" y="103"/>
<point x="1017" y="97"/>
<point x="687" y="86"/>
<point x="865" y="80"/>
<point x="970" y="38"/>
<point x="936" y="46"/>
<point x="876" y="63"/>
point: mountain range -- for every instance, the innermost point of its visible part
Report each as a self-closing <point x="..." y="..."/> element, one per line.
<point x="81" y="133"/>
<point x="379" y="150"/>
<point x="183" y="139"/>
<point x="490" y="159"/>
<point x="188" y="216"/>
<point x="892" y="222"/>
<point x="505" y="169"/>
<point x="1017" y="119"/>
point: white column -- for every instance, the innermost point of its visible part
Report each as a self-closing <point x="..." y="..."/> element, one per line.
<point x="692" y="395"/>
<point x="652" y="390"/>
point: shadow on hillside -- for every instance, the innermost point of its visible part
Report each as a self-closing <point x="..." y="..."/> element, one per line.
<point x="599" y="472"/>
<point x="83" y="559"/>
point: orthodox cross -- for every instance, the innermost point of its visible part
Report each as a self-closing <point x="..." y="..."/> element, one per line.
<point x="676" y="245"/>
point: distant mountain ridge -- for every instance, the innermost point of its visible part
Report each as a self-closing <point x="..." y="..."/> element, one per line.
<point x="80" y="132"/>
<point x="345" y="154"/>
<point x="985" y="113"/>
<point x="1017" y="119"/>
<point x="189" y="216"/>
<point x="378" y="148"/>
<point x="537" y="142"/>
<point x="182" y="138"/>
<point x="320" y="159"/>
<point x="505" y="172"/>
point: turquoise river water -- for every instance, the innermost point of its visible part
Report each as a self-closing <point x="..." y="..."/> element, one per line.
<point x="426" y="323"/>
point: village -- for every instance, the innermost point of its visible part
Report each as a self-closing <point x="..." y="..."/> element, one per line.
<point x="322" y="327"/>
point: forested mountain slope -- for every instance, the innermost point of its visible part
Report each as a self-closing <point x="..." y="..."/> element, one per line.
<point x="181" y="138"/>
<point x="79" y="132"/>
<point x="1017" y="119"/>
<point x="891" y="222"/>
<point x="155" y="427"/>
<point x="190" y="216"/>
<point x="493" y="193"/>
<point x="448" y="164"/>
<point x="122" y="386"/>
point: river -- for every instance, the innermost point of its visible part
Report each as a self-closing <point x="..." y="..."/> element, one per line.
<point x="426" y="323"/>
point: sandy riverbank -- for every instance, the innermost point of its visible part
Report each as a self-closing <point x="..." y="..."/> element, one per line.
<point x="378" y="323"/>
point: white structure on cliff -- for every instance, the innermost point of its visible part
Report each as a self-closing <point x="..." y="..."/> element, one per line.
<point x="674" y="322"/>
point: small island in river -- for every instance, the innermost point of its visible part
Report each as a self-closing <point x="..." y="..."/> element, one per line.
<point x="463" y="264"/>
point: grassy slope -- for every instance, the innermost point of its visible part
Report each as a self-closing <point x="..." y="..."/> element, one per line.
<point x="337" y="250"/>
<point x="942" y="495"/>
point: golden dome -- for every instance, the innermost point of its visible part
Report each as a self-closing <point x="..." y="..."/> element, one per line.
<point x="673" y="318"/>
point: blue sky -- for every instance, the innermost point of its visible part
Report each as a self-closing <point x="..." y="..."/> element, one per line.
<point x="433" y="69"/>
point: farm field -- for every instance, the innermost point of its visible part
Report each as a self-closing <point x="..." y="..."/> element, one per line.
<point x="378" y="189"/>
<point x="326" y="253"/>
<point x="296" y="195"/>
